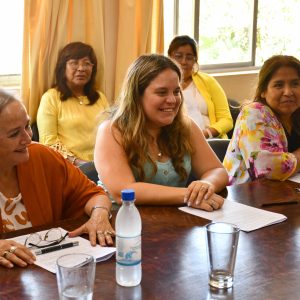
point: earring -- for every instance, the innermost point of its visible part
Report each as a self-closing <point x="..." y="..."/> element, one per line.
<point x="196" y="68"/>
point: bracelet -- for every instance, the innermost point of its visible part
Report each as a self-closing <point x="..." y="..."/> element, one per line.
<point x="103" y="207"/>
<point x="210" y="136"/>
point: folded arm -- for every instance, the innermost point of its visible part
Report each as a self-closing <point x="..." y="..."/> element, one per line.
<point x="224" y="121"/>
<point x="47" y="122"/>
<point x="263" y="145"/>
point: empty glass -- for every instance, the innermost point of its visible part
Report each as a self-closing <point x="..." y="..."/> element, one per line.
<point x="222" y="241"/>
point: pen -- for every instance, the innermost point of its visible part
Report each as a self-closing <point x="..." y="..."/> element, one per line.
<point x="280" y="203"/>
<point x="56" y="248"/>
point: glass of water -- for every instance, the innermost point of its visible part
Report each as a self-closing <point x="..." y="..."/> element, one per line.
<point x="222" y="241"/>
<point x="76" y="276"/>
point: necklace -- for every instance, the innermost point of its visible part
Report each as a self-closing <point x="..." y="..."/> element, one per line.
<point x="155" y="149"/>
<point x="186" y="82"/>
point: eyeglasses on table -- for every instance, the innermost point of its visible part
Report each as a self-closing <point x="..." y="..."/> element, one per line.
<point x="52" y="237"/>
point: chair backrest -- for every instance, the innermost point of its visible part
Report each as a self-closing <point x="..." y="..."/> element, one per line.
<point x="90" y="171"/>
<point x="35" y="132"/>
<point x="234" y="108"/>
<point x="219" y="146"/>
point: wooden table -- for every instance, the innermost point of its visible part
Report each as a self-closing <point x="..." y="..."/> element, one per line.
<point x="174" y="256"/>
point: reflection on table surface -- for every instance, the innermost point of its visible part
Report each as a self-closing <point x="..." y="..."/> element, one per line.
<point x="174" y="256"/>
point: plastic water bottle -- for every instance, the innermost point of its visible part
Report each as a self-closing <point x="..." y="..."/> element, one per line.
<point x="128" y="242"/>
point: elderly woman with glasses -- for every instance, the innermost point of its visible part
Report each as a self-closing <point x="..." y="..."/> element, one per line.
<point x="38" y="186"/>
<point x="204" y="98"/>
<point x="70" y="112"/>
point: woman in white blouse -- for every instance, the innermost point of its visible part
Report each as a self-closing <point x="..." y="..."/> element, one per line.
<point x="204" y="98"/>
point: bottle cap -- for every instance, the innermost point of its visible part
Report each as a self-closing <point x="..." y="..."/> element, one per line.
<point x="128" y="195"/>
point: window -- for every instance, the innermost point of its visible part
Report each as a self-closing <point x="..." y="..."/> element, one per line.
<point x="235" y="33"/>
<point x="277" y="29"/>
<point x="11" y="36"/>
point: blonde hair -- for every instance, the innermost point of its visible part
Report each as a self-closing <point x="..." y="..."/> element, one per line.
<point x="130" y="120"/>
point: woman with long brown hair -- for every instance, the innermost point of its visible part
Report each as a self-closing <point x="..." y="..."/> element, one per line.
<point x="152" y="146"/>
<point x="266" y="138"/>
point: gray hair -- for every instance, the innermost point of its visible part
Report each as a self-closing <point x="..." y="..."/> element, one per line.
<point x="5" y="99"/>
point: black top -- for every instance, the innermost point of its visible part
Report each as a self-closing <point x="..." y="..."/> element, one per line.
<point x="293" y="140"/>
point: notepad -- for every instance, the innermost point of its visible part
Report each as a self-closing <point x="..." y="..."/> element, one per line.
<point x="295" y="178"/>
<point x="48" y="260"/>
<point x="247" y="218"/>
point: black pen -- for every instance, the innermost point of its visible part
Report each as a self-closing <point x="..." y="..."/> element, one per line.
<point x="280" y="203"/>
<point x="56" y="248"/>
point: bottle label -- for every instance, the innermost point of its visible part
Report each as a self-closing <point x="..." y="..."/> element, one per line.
<point x="128" y="250"/>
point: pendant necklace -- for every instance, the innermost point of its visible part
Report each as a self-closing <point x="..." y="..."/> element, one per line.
<point x="159" y="154"/>
<point x="80" y="100"/>
<point x="156" y="148"/>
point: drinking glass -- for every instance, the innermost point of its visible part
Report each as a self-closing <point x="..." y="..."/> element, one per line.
<point x="222" y="242"/>
<point x="75" y="276"/>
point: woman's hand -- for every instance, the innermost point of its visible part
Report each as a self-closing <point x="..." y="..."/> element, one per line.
<point x="97" y="227"/>
<point x="198" y="191"/>
<point x="13" y="253"/>
<point x="213" y="203"/>
<point x="201" y="194"/>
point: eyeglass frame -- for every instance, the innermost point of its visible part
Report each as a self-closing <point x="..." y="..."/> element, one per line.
<point x="43" y="239"/>
<point x="190" y="58"/>
<point x="74" y="64"/>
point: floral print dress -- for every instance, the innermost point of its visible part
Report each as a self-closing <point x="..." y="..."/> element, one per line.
<point x="258" y="148"/>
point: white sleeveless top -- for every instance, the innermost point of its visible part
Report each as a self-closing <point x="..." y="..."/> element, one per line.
<point x="196" y="106"/>
<point x="13" y="213"/>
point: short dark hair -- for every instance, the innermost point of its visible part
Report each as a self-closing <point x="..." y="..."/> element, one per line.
<point x="180" y="41"/>
<point x="75" y="50"/>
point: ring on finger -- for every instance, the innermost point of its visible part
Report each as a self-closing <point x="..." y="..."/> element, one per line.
<point x="4" y="254"/>
<point x="203" y="188"/>
<point x="107" y="232"/>
<point x="99" y="232"/>
<point x="12" y="249"/>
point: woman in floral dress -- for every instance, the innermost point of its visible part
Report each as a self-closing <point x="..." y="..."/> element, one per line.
<point x="266" y="139"/>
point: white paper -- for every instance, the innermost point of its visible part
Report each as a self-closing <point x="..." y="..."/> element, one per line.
<point x="295" y="178"/>
<point x="48" y="260"/>
<point x="247" y="218"/>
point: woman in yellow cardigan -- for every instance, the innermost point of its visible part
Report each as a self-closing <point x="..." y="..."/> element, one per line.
<point x="204" y="98"/>
<point x="70" y="112"/>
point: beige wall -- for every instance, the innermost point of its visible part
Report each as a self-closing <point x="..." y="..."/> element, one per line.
<point x="238" y="86"/>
